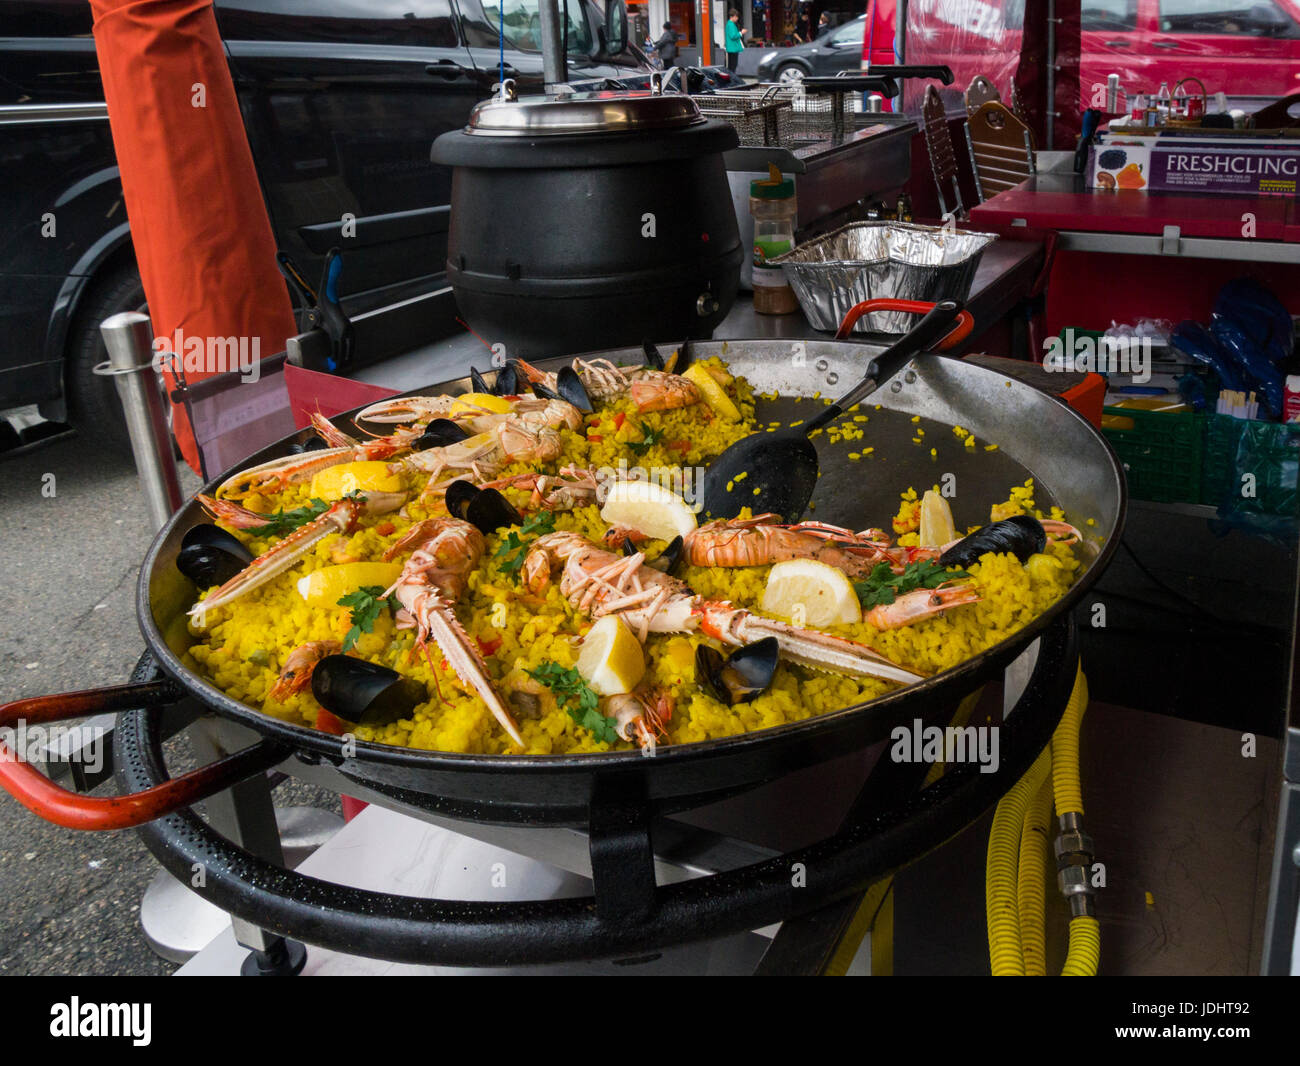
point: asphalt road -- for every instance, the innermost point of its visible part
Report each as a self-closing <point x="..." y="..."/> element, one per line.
<point x="74" y="533"/>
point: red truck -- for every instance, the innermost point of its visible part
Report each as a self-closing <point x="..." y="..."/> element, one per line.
<point x="1243" y="47"/>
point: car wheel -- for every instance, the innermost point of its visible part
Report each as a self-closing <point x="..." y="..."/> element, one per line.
<point x="93" y="403"/>
<point x="790" y="74"/>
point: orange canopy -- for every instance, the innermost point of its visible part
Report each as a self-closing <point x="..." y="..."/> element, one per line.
<point x="198" y="222"/>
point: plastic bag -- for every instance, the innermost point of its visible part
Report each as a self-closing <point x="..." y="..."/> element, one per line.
<point x="1194" y="340"/>
<point x="1260" y="316"/>
<point x="1261" y="375"/>
<point x="1260" y="488"/>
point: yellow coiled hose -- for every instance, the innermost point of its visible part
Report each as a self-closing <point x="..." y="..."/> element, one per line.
<point x="1014" y="888"/>
<point x="1085" y="948"/>
<point x="1032" y="880"/>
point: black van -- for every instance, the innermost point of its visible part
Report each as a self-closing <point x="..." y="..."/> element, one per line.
<point x="341" y="101"/>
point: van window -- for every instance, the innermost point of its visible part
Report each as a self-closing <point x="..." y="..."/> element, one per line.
<point x="1239" y="18"/>
<point x="416" y="23"/>
<point x="1108" y="16"/>
<point x="522" y="25"/>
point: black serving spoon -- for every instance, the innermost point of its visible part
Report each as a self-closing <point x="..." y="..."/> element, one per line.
<point x="783" y="465"/>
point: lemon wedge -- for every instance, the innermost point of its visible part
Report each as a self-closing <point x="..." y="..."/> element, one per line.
<point x="712" y="392"/>
<point x="335" y="482"/>
<point x="649" y="508"/>
<point x="326" y="586"/>
<point x="475" y="403"/>
<point x="810" y="593"/>
<point x="937" y="528"/>
<point x="611" y="660"/>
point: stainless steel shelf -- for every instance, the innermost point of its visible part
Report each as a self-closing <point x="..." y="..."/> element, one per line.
<point x="1172" y="243"/>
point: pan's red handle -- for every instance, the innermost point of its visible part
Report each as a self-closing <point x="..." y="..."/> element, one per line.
<point x="63" y="807"/>
<point x="965" y="321"/>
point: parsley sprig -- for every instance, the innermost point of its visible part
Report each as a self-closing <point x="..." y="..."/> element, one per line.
<point x="366" y="603"/>
<point x="575" y="696"/>
<point x="883" y="586"/>
<point x="282" y="523"/>
<point x="514" y="548"/>
<point x="650" y="438"/>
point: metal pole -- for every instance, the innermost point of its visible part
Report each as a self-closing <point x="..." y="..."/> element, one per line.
<point x="129" y="340"/>
<point x="555" y="71"/>
<point x="1050" y="117"/>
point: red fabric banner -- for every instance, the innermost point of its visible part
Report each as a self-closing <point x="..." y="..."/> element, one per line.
<point x="199" y="226"/>
<point x="311" y="391"/>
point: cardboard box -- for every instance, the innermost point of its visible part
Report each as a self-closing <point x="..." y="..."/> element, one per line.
<point x="1176" y="161"/>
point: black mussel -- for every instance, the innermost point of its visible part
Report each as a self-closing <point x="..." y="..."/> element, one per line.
<point x="439" y="433"/>
<point x="679" y="358"/>
<point x="667" y="560"/>
<point x="1020" y="534"/>
<point x="653" y="359"/>
<point x="477" y="381"/>
<point x="311" y="444"/>
<point x="366" y="693"/>
<point x="210" y="556"/>
<point x="507" y="382"/>
<point x="746" y="673"/>
<point x="671" y="557"/>
<point x="490" y="511"/>
<point x="570" y="387"/>
<point x="459" y="494"/>
<point x="486" y="509"/>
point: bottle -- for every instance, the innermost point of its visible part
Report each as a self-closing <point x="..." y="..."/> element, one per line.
<point x="1140" y="109"/>
<point x="1162" y="104"/>
<point x="774" y="209"/>
<point x="1180" y="101"/>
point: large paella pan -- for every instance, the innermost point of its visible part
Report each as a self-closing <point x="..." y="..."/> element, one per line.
<point x="986" y="439"/>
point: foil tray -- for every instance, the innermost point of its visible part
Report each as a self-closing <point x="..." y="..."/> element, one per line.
<point x="873" y="260"/>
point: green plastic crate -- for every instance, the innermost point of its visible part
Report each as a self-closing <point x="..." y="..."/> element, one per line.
<point x="1161" y="454"/>
<point x="1219" y="456"/>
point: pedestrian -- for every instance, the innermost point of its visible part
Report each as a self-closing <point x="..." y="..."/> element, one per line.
<point x="735" y="43"/>
<point x="823" y="24"/>
<point x="666" y="46"/>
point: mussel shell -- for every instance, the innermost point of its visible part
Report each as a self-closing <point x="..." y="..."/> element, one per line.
<point x="507" y="382"/>
<point x="459" y="495"/>
<point x="570" y="387"/>
<point x="366" y="693"/>
<point x="210" y="556"/>
<point x="476" y="379"/>
<point x="311" y="444"/>
<point x="439" y="433"/>
<point x="667" y="560"/>
<point x="653" y="357"/>
<point x="670" y="559"/>
<point x="490" y="511"/>
<point x="485" y="508"/>
<point x="1020" y="534"/>
<point x="745" y="674"/>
